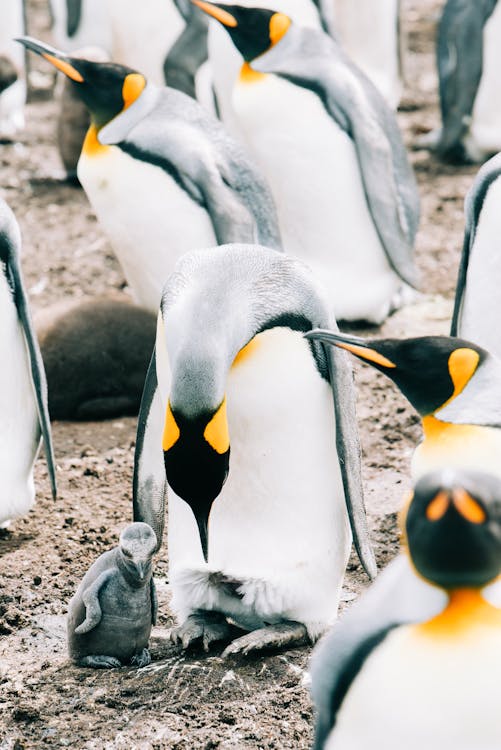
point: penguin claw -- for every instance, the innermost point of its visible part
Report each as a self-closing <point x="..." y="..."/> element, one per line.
<point x="142" y="659"/>
<point x="206" y="627"/>
<point x="99" y="662"/>
<point x="272" y="636"/>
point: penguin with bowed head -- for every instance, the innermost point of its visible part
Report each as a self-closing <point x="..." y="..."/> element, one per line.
<point x="112" y="612"/>
<point x="476" y="310"/>
<point x="24" y="416"/>
<point x="258" y="532"/>
<point x="415" y="662"/>
<point x="300" y="101"/>
<point x="12" y="69"/>
<point x="454" y="385"/>
<point x="161" y="174"/>
<point x="469" y="61"/>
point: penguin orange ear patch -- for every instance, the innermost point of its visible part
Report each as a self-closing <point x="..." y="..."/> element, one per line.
<point x="132" y="88"/>
<point x="216" y="433"/>
<point x="279" y="26"/>
<point x="437" y="508"/>
<point x="468" y="507"/>
<point x="171" y="430"/>
<point x="462" y="364"/>
<point x="65" y="68"/>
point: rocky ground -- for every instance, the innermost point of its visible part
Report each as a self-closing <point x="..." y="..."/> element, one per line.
<point x="178" y="701"/>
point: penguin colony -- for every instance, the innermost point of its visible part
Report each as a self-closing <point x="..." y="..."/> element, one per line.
<point x="259" y="198"/>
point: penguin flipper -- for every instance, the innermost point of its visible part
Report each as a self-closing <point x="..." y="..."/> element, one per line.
<point x="398" y="596"/>
<point x="90" y="598"/>
<point x="474" y="202"/>
<point x="74" y="13"/>
<point x="348" y="451"/>
<point x="187" y="54"/>
<point x="149" y="488"/>
<point x="460" y="63"/>
<point x="36" y="364"/>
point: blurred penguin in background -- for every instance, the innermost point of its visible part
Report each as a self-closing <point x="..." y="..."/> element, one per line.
<point x="477" y="307"/>
<point x="350" y="207"/>
<point x="12" y="69"/>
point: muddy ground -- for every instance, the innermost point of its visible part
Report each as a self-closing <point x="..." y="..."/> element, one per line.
<point x="177" y="702"/>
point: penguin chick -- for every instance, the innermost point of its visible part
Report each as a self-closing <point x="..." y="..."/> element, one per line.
<point x="113" y="609"/>
<point x="453" y="384"/>
<point x="415" y="663"/>
<point x="259" y="532"/>
<point x="344" y="142"/>
<point x="479" y="277"/>
<point x="96" y="357"/>
<point x="24" y="416"/>
<point x="161" y="174"/>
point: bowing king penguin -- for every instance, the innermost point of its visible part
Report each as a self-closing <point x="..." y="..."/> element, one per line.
<point x="162" y="175"/>
<point x="332" y="152"/>
<point x="238" y="420"/>
<point x="402" y="671"/>
<point x="476" y="306"/>
<point x="453" y="384"/>
<point x="24" y="416"/>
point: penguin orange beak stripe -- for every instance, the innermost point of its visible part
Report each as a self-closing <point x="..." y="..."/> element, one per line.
<point x="218" y="13"/>
<point x="64" y="67"/>
<point x="465" y="505"/>
<point x="371" y="355"/>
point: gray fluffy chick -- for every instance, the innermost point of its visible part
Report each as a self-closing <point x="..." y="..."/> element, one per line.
<point x="111" y="614"/>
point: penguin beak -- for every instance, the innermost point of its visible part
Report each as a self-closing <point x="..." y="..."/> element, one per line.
<point x="357" y="346"/>
<point x="471" y="510"/>
<point x="203" y="530"/>
<point x="141" y="568"/>
<point x="58" y="59"/>
<point x="218" y="12"/>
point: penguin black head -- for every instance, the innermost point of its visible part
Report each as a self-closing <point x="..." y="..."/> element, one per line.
<point x="105" y="88"/>
<point x="453" y="528"/>
<point x="196" y="457"/>
<point x="429" y="370"/>
<point x="253" y="30"/>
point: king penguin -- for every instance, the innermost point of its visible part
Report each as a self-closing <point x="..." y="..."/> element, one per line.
<point x="260" y="535"/>
<point x="479" y="279"/>
<point x="469" y="60"/>
<point x="12" y="69"/>
<point x="300" y="101"/>
<point x="453" y="384"/>
<point x="24" y="415"/>
<point x="371" y="35"/>
<point x="415" y="662"/>
<point x="161" y="174"/>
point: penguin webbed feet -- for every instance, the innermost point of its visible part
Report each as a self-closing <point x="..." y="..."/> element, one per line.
<point x="99" y="661"/>
<point x="277" y="636"/>
<point x="201" y="628"/>
<point x="142" y="659"/>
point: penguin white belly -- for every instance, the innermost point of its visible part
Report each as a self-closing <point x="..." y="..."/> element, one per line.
<point x="142" y="40"/>
<point x="149" y="219"/>
<point x="323" y="213"/>
<point x="467" y="447"/>
<point x="93" y="30"/>
<point x="19" y="430"/>
<point x="417" y="692"/>
<point x="279" y="524"/>
<point x="485" y="131"/>
<point x="226" y="60"/>
<point x="13" y="98"/>
<point x="480" y="305"/>
<point x="369" y="34"/>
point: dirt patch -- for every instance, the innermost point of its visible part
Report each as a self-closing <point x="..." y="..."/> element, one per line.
<point x="178" y="702"/>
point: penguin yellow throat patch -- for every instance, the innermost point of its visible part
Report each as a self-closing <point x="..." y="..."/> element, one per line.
<point x="91" y="146"/>
<point x="248" y="75"/>
<point x="466" y="610"/>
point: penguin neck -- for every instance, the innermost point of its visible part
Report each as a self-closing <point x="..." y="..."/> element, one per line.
<point x="248" y="75"/>
<point x="91" y="146"/>
<point x="465" y="609"/>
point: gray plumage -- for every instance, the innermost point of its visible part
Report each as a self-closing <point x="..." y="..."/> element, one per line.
<point x="460" y="63"/>
<point x="113" y="609"/>
<point x="310" y="58"/>
<point x="475" y="301"/>
<point x="188" y="52"/>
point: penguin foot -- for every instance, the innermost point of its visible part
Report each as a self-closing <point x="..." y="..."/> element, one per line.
<point x="272" y="636"/>
<point x="142" y="659"/>
<point x="206" y="627"/>
<point x="99" y="662"/>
